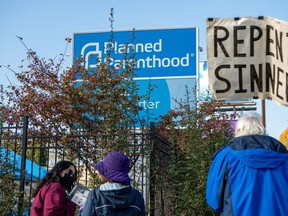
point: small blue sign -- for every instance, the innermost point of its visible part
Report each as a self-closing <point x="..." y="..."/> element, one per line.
<point x="165" y="96"/>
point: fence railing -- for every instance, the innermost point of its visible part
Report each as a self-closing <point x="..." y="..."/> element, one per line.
<point x="29" y="155"/>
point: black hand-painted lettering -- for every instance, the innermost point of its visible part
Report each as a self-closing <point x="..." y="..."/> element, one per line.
<point x="270" y="76"/>
<point x="217" y="74"/>
<point x="256" y="78"/>
<point x="238" y="41"/>
<point x="279" y="83"/>
<point x="269" y="40"/>
<point x="279" y="50"/>
<point x="218" y="40"/>
<point x="240" y="78"/>
<point x="254" y="37"/>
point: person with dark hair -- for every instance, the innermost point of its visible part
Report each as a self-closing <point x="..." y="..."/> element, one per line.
<point x="249" y="176"/>
<point x="50" y="196"/>
<point x="115" y="196"/>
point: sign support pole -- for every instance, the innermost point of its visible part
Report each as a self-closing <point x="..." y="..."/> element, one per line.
<point x="263" y="112"/>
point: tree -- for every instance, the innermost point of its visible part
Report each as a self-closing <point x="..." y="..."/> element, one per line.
<point x="101" y="101"/>
<point x="196" y="131"/>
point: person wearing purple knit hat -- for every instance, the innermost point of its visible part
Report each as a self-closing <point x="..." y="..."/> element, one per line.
<point x="115" y="196"/>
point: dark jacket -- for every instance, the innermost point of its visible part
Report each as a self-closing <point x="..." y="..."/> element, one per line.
<point x="249" y="177"/>
<point x="114" y="199"/>
<point x="52" y="200"/>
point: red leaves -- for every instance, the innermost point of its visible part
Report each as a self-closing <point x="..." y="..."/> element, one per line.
<point x="54" y="100"/>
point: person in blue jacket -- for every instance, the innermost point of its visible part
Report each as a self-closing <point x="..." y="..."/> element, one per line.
<point x="115" y="196"/>
<point x="249" y="176"/>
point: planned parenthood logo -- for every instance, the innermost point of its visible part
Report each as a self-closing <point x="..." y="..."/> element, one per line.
<point x="94" y="54"/>
<point x="159" y="53"/>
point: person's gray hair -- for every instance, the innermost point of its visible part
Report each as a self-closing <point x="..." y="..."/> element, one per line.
<point x="249" y="124"/>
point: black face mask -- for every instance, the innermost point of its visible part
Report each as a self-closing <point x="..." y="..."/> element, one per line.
<point x="67" y="180"/>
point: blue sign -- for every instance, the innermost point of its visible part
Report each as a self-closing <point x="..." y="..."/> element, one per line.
<point x="166" y="95"/>
<point x="165" y="58"/>
<point x="160" y="53"/>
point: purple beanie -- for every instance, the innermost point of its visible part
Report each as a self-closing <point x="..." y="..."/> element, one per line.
<point x="115" y="166"/>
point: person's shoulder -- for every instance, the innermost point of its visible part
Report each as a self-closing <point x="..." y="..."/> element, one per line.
<point x="138" y="196"/>
<point x="136" y="191"/>
<point x="223" y="150"/>
<point x="258" y="141"/>
<point x="96" y="189"/>
<point x="55" y="186"/>
<point x="52" y="187"/>
<point x="268" y="137"/>
<point x="95" y="192"/>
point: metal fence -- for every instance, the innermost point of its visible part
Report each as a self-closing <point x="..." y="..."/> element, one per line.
<point x="159" y="176"/>
<point x="45" y="151"/>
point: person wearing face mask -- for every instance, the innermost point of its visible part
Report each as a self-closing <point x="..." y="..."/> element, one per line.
<point x="50" y="196"/>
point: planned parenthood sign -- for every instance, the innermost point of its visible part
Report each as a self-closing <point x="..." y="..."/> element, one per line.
<point x="166" y="58"/>
<point x="159" y="53"/>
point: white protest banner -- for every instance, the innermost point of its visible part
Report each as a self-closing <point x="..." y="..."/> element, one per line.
<point x="248" y="58"/>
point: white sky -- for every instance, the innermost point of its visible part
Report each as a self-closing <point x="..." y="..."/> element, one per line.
<point x="45" y="24"/>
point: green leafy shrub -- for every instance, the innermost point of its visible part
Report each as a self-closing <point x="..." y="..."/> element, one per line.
<point x="195" y="131"/>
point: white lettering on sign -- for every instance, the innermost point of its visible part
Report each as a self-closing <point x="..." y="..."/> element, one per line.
<point x="248" y="58"/>
<point x="152" y="61"/>
<point x="149" y="104"/>
<point x="129" y="48"/>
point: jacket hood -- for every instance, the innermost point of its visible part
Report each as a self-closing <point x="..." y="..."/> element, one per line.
<point x="119" y="196"/>
<point x="259" y="151"/>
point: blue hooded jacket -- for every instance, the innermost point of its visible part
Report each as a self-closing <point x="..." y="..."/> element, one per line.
<point x="249" y="177"/>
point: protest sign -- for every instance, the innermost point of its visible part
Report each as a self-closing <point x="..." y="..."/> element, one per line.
<point x="248" y="58"/>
